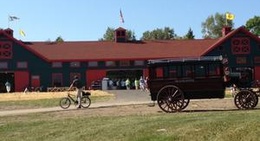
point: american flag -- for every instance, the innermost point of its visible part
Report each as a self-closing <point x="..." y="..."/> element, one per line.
<point x="121" y="17"/>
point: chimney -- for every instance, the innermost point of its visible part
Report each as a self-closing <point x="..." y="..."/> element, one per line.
<point x="226" y="30"/>
<point x="120" y="35"/>
<point x="9" y="31"/>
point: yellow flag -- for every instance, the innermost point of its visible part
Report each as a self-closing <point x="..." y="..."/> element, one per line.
<point x="21" y="32"/>
<point x="230" y="16"/>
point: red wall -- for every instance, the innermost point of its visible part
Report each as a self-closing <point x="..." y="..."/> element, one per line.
<point x="257" y="73"/>
<point x="93" y="75"/>
<point x="21" y="79"/>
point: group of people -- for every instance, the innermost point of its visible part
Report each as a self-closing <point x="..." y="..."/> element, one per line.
<point x="128" y="83"/>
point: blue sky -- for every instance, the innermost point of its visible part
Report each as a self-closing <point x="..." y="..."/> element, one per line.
<point x="87" y="20"/>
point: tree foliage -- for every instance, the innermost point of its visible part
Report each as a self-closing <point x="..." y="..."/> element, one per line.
<point x="59" y="39"/>
<point x="253" y="25"/>
<point x="189" y="35"/>
<point x="159" y="34"/>
<point x="212" y="27"/>
<point x="109" y="35"/>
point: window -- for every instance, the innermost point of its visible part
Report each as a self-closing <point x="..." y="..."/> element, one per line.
<point x="188" y="71"/>
<point x="117" y="33"/>
<point x="57" y="79"/>
<point x="240" y="45"/>
<point x="139" y="63"/>
<point x="174" y="71"/>
<point x="110" y="63"/>
<point x="22" y="65"/>
<point x="124" y="63"/>
<point x="57" y="64"/>
<point x="93" y="64"/>
<point x="6" y="50"/>
<point x="214" y="70"/>
<point x="122" y="33"/>
<point x="3" y="65"/>
<point x="241" y="60"/>
<point x="74" y="64"/>
<point x="200" y="70"/>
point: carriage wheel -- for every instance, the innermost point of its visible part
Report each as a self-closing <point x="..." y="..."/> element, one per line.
<point x="237" y="101"/>
<point x="170" y="99"/>
<point x="246" y="99"/>
<point x="185" y="104"/>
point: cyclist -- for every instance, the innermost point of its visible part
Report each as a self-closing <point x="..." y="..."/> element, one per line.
<point x="79" y="87"/>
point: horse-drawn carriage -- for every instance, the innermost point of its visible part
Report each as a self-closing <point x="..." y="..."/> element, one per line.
<point x="173" y="82"/>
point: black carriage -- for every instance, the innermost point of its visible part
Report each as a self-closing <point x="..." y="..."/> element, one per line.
<point x="173" y="82"/>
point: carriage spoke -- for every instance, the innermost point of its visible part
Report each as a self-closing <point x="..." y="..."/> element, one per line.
<point x="246" y="99"/>
<point x="170" y="99"/>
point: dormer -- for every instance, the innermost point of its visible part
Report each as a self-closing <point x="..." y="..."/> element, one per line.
<point x="120" y="35"/>
<point x="9" y="31"/>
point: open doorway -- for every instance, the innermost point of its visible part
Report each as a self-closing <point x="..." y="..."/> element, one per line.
<point x="119" y="76"/>
<point x="124" y="74"/>
<point x="6" y="76"/>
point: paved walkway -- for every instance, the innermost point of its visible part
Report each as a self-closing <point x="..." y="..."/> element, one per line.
<point x="122" y="97"/>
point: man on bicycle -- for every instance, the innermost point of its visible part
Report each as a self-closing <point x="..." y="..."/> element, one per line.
<point x="79" y="87"/>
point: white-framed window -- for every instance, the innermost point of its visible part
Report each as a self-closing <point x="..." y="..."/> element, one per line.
<point x="124" y="63"/>
<point x="22" y="65"/>
<point x="110" y="63"/>
<point x="56" y="64"/>
<point x="92" y="63"/>
<point x="3" y="65"/>
<point x="75" y="64"/>
<point x="139" y="63"/>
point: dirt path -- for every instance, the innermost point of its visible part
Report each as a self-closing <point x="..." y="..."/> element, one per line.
<point x="132" y="102"/>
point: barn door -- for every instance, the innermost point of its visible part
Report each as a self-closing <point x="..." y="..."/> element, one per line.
<point x="21" y="80"/>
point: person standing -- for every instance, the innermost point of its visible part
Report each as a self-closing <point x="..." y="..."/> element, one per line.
<point x="8" y="86"/>
<point x="142" y="83"/>
<point x="146" y="84"/>
<point x="79" y="88"/>
<point x="136" y="84"/>
<point x="127" y="83"/>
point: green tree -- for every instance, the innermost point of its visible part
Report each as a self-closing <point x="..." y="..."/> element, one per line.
<point x="109" y="35"/>
<point x="189" y="35"/>
<point x="130" y="35"/>
<point x="165" y="33"/>
<point x="59" y="39"/>
<point x="253" y="25"/>
<point x="212" y="27"/>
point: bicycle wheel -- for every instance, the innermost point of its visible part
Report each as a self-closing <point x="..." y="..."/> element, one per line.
<point x="65" y="103"/>
<point x="85" y="102"/>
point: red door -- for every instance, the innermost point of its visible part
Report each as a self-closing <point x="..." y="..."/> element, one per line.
<point x="21" y="79"/>
<point x="94" y="75"/>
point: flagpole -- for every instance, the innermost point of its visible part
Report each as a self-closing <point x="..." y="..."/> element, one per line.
<point x="8" y="20"/>
<point x="226" y="19"/>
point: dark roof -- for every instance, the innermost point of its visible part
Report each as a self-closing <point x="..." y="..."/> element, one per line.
<point x="106" y="50"/>
<point x="229" y="35"/>
<point x="136" y="50"/>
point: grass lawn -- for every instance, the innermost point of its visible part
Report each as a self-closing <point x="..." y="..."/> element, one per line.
<point x="195" y="126"/>
<point x="41" y="103"/>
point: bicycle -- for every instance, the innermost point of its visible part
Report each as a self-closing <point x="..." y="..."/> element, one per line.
<point x="65" y="102"/>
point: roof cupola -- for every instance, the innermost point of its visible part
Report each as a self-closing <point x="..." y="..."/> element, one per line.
<point x="120" y="35"/>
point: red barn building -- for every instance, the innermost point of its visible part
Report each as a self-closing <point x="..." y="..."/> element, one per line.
<point x="50" y="64"/>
